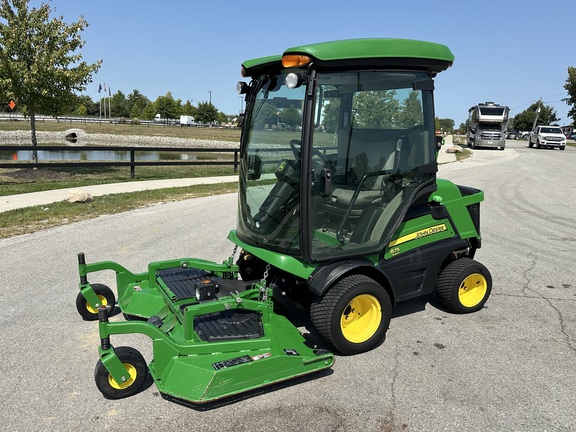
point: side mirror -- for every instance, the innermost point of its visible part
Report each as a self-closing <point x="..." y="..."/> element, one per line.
<point x="242" y="87"/>
<point x="438" y="141"/>
<point x="254" y="167"/>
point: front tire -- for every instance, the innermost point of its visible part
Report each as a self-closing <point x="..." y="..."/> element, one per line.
<point x="464" y="286"/>
<point x="107" y="299"/>
<point x="353" y="316"/>
<point x="136" y="370"/>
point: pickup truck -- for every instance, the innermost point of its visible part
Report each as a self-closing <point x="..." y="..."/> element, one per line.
<point x="547" y="137"/>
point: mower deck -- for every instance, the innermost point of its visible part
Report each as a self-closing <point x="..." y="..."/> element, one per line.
<point x="213" y="335"/>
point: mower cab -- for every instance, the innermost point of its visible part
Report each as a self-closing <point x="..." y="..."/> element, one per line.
<point x="339" y="212"/>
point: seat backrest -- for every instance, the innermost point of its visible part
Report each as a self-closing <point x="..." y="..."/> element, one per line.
<point x="385" y="218"/>
<point x="365" y="150"/>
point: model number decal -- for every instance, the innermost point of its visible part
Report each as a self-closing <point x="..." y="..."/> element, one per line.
<point x="417" y="235"/>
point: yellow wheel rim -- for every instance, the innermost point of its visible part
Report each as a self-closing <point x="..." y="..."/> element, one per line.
<point x="361" y="318"/>
<point x="131" y="371"/>
<point x="103" y="302"/>
<point x="472" y="290"/>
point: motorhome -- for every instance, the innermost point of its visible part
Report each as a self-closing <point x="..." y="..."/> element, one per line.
<point x="487" y="125"/>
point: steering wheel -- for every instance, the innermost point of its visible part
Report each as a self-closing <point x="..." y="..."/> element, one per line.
<point x="295" y="147"/>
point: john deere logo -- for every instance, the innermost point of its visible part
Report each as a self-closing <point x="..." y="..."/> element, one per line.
<point x="418" y="234"/>
<point x="281" y="166"/>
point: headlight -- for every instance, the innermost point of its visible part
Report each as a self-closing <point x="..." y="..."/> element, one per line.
<point x="293" y="80"/>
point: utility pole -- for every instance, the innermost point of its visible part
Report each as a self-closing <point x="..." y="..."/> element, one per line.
<point x="537" y="113"/>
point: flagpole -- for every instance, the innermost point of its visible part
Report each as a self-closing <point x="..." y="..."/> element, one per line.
<point x="109" y="97"/>
<point x="99" y="97"/>
<point x="104" y="100"/>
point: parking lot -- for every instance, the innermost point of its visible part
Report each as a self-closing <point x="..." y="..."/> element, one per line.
<point x="509" y="367"/>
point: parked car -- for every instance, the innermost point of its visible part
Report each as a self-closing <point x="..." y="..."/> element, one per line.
<point x="547" y="137"/>
<point x="573" y="136"/>
<point x="524" y="135"/>
<point x="512" y="134"/>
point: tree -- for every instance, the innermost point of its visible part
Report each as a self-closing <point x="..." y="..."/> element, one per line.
<point x="149" y="111"/>
<point x="189" y="109"/>
<point x="40" y="66"/>
<point x="81" y="111"/>
<point x="445" y="125"/>
<point x="376" y="108"/>
<point x="135" y="103"/>
<point x="525" y="120"/>
<point x="207" y="113"/>
<point x="138" y="109"/>
<point x="221" y="118"/>
<point x="462" y="128"/>
<point x="411" y="112"/>
<point x="119" y="105"/>
<point x="167" y="107"/>
<point x="330" y="112"/>
<point x="290" y="116"/>
<point x="86" y="101"/>
<point x="570" y="87"/>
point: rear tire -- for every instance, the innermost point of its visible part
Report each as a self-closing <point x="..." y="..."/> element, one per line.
<point x="353" y="316"/>
<point x="464" y="286"/>
<point x="136" y="370"/>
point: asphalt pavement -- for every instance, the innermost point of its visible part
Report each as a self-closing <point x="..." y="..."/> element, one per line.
<point x="508" y="367"/>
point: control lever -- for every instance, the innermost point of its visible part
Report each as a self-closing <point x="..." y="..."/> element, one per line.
<point x="326" y="176"/>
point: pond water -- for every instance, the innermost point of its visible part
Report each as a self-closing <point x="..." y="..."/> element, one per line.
<point x="92" y="155"/>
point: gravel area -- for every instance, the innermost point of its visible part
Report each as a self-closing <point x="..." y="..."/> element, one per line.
<point x="83" y="138"/>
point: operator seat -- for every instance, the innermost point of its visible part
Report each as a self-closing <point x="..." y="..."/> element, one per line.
<point x="360" y="152"/>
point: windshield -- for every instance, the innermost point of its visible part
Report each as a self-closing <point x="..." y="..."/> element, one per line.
<point x="492" y="111"/>
<point x="269" y="201"/>
<point x="491" y="126"/>
<point x="551" y="130"/>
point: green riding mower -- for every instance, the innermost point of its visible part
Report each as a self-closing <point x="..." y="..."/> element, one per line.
<point x="340" y="213"/>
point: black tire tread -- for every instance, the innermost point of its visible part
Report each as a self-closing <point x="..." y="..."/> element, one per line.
<point x="99" y="289"/>
<point x="449" y="280"/>
<point x="126" y="355"/>
<point x="321" y="310"/>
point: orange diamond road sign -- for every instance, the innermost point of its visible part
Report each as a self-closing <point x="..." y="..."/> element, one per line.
<point x="11" y="104"/>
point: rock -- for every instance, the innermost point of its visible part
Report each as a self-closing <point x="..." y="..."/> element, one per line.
<point x="79" y="196"/>
<point x="454" y="149"/>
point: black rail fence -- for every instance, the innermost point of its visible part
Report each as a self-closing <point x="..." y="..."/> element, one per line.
<point x="132" y="163"/>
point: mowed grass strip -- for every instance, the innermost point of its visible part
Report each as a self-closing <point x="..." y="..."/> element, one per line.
<point x="31" y="219"/>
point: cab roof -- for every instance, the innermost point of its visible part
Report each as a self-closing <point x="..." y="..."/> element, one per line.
<point x="363" y="53"/>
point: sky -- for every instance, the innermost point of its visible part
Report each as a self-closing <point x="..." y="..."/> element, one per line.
<point x="511" y="52"/>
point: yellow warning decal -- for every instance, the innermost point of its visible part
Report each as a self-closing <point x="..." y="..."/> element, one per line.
<point x="418" y="234"/>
